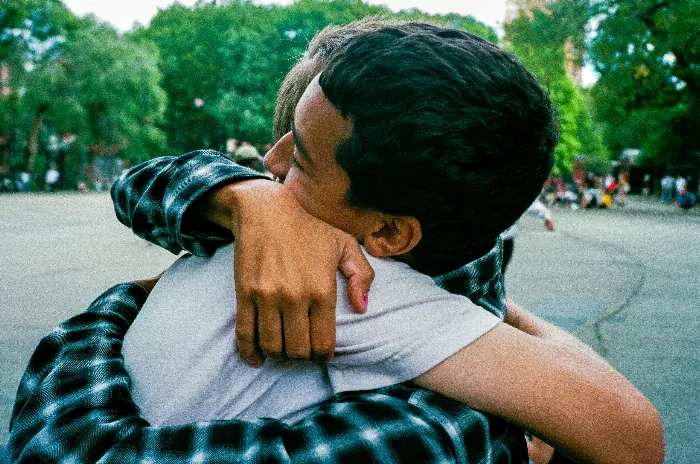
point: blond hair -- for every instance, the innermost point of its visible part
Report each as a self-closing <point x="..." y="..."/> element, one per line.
<point x="315" y="59"/>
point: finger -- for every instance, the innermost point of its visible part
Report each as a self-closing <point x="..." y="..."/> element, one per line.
<point x="270" y="327"/>
<point x="322" y="325"/>
<point x="297" y="339"/>
<point x="246" y="339"/>
<point x="356" y="268"/>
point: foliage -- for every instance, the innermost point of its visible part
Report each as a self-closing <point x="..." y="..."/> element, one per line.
<point x="233" y="57"/>
<point x="78" y="76"/>
<point x="192" y="78"/>
<point x="541" y="40"/>
<point x="117" y="89"/>
<point x="648" y="55"/>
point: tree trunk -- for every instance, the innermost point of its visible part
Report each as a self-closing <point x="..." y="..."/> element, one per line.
<point x="33" y="139"/>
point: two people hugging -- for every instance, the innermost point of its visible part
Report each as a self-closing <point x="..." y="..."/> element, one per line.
<point x="403" y="151"/>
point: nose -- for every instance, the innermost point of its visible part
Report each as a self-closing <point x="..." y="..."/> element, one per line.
<point x="278" y="159"/>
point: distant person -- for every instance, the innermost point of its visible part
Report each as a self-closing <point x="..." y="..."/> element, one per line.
<point x="247" y="155"/>
<point x="51" y="179"/>
<point x="646" y="185"/>
<point x="681" y="184"/>
<point x="6" y="184"/>
<point x="668" y="185"/>
<point x="685" y="199"/>
<point x="231" y="147"/>
<point x="623" y="188"/>
<point x="23" y="181"/>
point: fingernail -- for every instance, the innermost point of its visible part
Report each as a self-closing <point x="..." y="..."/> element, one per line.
<point x="255" y="364"/>
<point x="365" y="297"/>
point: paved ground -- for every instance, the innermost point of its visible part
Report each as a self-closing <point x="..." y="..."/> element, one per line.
<point x="626" y="281"/>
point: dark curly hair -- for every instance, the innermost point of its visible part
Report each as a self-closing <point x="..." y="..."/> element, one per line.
<point x="447" y="128"/>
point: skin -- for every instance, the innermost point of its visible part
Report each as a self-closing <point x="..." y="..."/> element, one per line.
<point x="524" y="371"/>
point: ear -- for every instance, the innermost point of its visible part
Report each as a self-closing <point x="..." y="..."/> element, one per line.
<point x="393" y="236"/>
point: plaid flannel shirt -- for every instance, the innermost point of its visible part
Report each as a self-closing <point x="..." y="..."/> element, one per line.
<point x="74" y="404"/>
<point x="154" y="199"/>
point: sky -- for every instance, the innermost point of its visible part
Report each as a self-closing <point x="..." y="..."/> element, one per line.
<point x="123" y="13"/>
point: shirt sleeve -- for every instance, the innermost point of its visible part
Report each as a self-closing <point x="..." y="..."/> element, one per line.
<point x="74" y="405"/>
<point x="154" y="198"/>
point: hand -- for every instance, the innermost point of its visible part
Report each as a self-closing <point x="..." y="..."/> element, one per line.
<point x="549" y="225"/>
<point x="285" y="265"/>
<point x="148" y="284"/>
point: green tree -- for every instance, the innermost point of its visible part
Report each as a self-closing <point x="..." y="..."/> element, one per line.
<point x="648" y="55"/>
<point x="115" y="83"/>
<point x="32" y="33"/>
<point x="230" y="58"/>
<point x="548" y="40"/>
<point x="79" y="76"/>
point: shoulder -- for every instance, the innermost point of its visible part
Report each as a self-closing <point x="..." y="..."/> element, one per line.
<point x="410" y="325"/>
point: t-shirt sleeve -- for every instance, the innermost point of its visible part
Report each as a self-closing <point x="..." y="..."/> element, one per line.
<point x="410" y="326"/>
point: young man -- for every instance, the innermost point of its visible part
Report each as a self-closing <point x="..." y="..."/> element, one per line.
<point x="398" y="172"/>
<point x="164" y="201"/>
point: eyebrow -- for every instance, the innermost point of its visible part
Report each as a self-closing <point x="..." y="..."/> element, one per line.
<point x="300" y="145"/>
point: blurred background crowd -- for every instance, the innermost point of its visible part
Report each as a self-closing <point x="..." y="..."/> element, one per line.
<point x="80" y="101"/>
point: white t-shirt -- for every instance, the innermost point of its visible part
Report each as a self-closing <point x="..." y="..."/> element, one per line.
<point x="180" y="350"/>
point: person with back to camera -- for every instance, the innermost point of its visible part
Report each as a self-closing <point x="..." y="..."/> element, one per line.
<point x="396" y="424"/>
<point x="516" y="317"/>
<point x="398" y="186"/>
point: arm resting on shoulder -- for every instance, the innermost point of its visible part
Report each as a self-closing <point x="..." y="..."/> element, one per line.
<point x="569" y="398"/>
<point x="201" y="200"/>
<point x="155" y="199"/>
<point x="523" y="320"/>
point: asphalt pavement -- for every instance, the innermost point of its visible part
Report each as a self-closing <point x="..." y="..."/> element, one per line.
<point x="624" y="280"/>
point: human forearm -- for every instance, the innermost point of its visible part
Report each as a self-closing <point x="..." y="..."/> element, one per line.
<point x="155" y="199"/>
<point x="572" y="400"/>
<point x="200" y="200"/>
<point x="523" y="320"/>
<point x="227" y="205"/>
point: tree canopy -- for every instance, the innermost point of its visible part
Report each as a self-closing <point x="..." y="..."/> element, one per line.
<point x="196" y="76"/>
<point x="648" y="55"/>
<point x="78" y="76"/>
<point x="550" y="41"/>
<point x="222" y="64"/>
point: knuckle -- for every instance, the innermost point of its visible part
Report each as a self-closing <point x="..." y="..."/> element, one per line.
<point x="244" y="337"/>
<point x="299" y="353"/>
<point x="293" y="296"/>
<point x="271" y="348"/>
<point x="264" y="294"/>
<point x="323" y="347"/>
<point x="246" y="293"/>
<point x="322" y="294"/>
<point x="370" y="273"/>
<point x="297" y="304"/>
